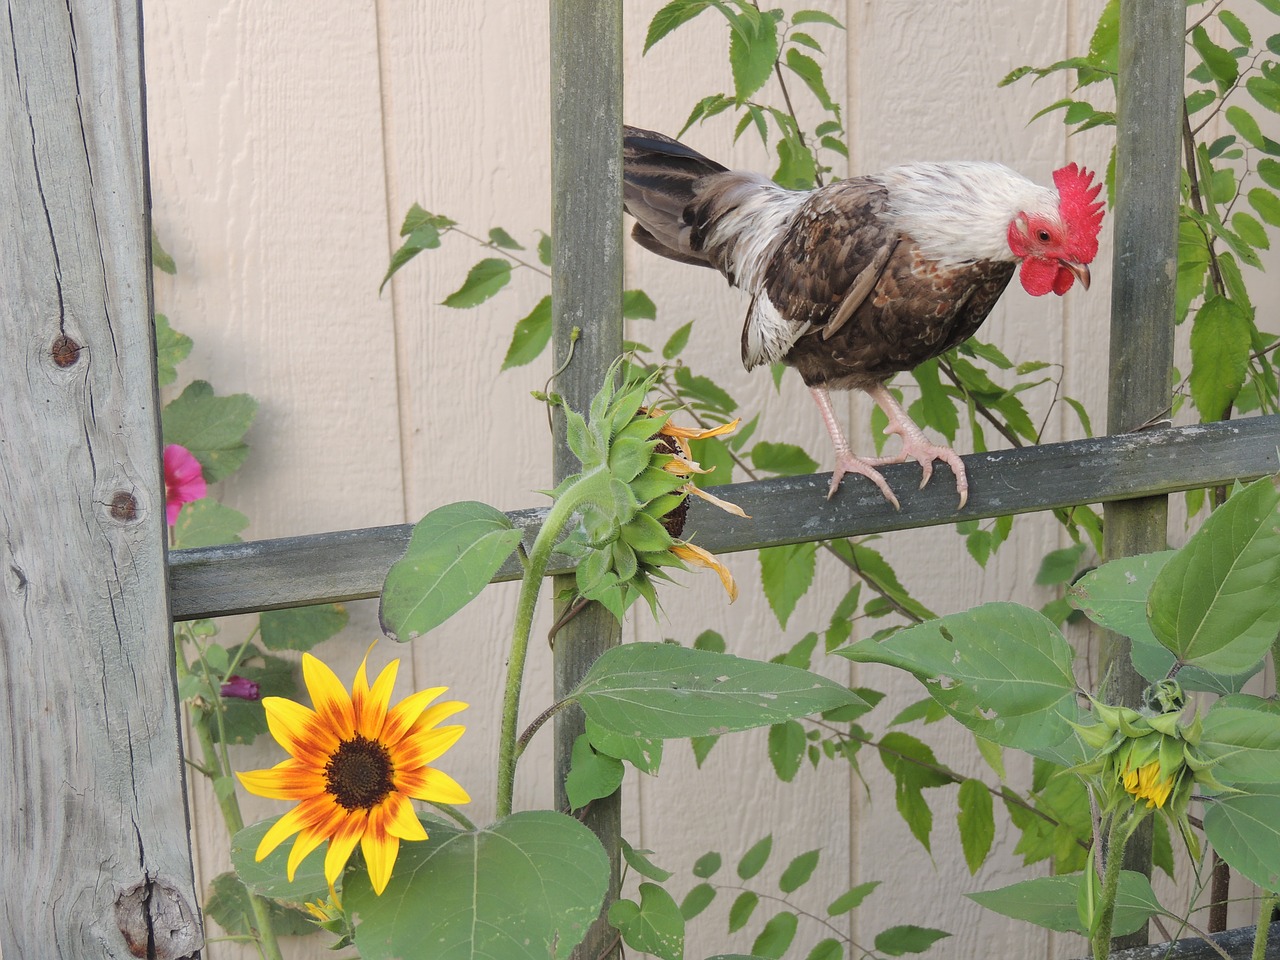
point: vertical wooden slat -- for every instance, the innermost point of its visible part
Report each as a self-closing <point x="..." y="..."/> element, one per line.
<point x="1149" y="110"/>
<point x="93" y="823"/>
<point x="586" y="295"/>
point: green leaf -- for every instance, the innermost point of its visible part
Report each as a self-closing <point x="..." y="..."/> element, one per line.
<point x="828" y="949"/>
<point x="753" y="860"/>
<point x="422" y="232"/>
<point x="641" y="864"/>
<point x="243" y="721"/>
<point x="592" y="775"/>
<point x="1215" y="604"/>
<point x="676" y="342"/>
<point x="673" y="15"/>
<point x="798" y="871"/>
<point x="777" y="935"/>
<point x="704" y="390"/>
<point x="662" y="691"/>
<point x="785" y="459"/>
<point x="636" y="305"/>
<point x="268" y="877"/>
<point x="787" y="744"/>
<point x="697" y="900"/>
<point x="160" y="259"/>
<point x="1001" y="669"/>
<point x="483" y="280"/>
<point x="1051" y="902"/>
<point x="915" y="769"/>
<point x="544" y="250"/>
<point x="908" y="939"/>
<point x="707" y="865"/>
<point x="1242" y="733"/>
<point x="786" y="574"/>
<point x="1246" y="125"/>
<point x="815" y="16"/>
<point x="1059" y="566"/>
<point x="211" y="427"/>
<point x="207" y="523"/>
<point x="453" y="554"/>
<point x="852" y="898"/>
<point x="301" y="628"/>
<point x="1269" y="171"/>
<point x="654" y="925"/>
<point x="227" y="904"/>
<point x="808" y="70"/>
<point x="171" y="349"/>
<point x="936" y="408"/>
<point x="1236" y="27"/>
<point x="1220" y="62"/>
<point x="644" y="755"/>
<point x="1245" y="830"/>
<point x="1265" y="202"/>
<point x="740" y="912"/>
<point x="500" y="238"/>
<point x="530" y="336"/>
<point x="458" y="887"/>
<point x="1221" y="342"/>
<point x="977" y="823"/>
<point x="752" y="53"/>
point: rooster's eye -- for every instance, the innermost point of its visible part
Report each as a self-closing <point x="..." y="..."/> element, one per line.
<point x="1043" y="236"/>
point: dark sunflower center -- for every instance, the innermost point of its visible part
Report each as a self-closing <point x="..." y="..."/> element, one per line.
<point x="359" y="774"/>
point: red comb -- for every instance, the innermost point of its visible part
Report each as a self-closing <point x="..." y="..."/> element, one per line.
<point x="1077" y="194"/>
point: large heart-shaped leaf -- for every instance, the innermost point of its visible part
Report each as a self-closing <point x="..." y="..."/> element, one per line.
<point x="1051" y="902"/>
<point x="524" y="888"/>
<point x="268" y="878"/>
<point x="1245" y="829"/>
<point x="453" y="554"/>
<point x="660" y="691"/>
<point x="1001" y="669"/>
<point x="1243" y="734"/>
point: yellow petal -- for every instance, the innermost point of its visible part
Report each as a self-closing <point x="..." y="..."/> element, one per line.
<point x="695" y="433"/>
<point x="422" y="748"/>
<point x="428" y="783"/>
<point x="328" y="696"/>
<point x="433" y="715"/>
<point x="683" y="468"/>
<point x="404" y="715"/>
<point x="724" y="505"/>
<point x="306" y="815"/>
<point x="399" y="819"/>
<point x="299" y="730"/>
<point x="691" y="553"/>
<point x="379" y="857"/>
<point x="342" y="843"/>
<point x="371" y="705"/>
<point x="287" y="780"/>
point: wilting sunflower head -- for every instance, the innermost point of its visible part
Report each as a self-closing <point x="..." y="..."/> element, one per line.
<point x="354" y="764"/>
<point x="643" y="467"/>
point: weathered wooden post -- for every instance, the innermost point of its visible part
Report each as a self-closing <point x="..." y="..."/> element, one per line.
<point x="586" y="295"/>
<point x="1149" y="115"/>
<point x="93" y="822"/>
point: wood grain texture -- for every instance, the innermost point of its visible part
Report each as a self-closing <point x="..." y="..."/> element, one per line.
<point x="92" y="806"/>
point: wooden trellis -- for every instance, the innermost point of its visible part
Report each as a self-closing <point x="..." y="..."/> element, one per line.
<point x="97" y="857"/>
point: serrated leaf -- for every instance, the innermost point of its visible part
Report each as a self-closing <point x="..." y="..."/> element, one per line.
<point x="976" y="821"/>
<point x="786" y="573"/>
<point x="676" y="342"/>
<point x="786" y="749"/>
<point x="815" y="16"/>
<point x="301" y="628"/>
<point x="483" y="280"/>
<point x="661" y="691"/>
<point x="1051" y="902"/>
<point x="1220" y="62"/>
<point x="211" y="427"/>
<point x="1245" y="125"/>
<point x="636" y="305"/>
<point x="453" y="554"/>
<point x="653" y="926"/>
<point x="808" y="70"/>
<point x="707" y="865"/>
<point x="908" y="938"/>
<point x="207" y="523"/>
<point x="754" y="859"/>
<point x="555" y="862"/>
<point x="798" y="871"/>
<point x="828" y="949"/>
<point x="753" y="49"/>
<point x="1266" y="203"/>
<point x="172" y="348"/>
<point x="673" y="15"/>
<point x="530" y="336"/>
<point x="1221" y="342"/>
<point x="500" y="238"/>
<point x="776" y="937"/>
<point x="784" y="459"/>
<point x="1059" y="566"/>
<point x="914" y="769"/>
<point x="1215" y="604"/>
<point x="740" y="912"/>
<point x="697" y="900"/>
<point x="544" y="250"/>
<point x="852" y="898"/>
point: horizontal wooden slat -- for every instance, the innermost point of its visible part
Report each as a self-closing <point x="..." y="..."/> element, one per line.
<point x="269" y="574"/>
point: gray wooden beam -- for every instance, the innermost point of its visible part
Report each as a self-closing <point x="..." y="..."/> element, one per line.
<point x="586" y="305"/>
<point x="93" y="820"/>
<point x="1148" y="162"/>
<point x="270" y="574"/>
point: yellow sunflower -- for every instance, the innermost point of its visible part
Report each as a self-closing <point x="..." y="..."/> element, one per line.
<point x="354" y="763"/>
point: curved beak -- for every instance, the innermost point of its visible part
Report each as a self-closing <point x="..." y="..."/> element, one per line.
<point x="1080" y="270"/>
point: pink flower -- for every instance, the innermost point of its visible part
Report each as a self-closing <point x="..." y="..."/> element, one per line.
<point x="240" y="688"/>
<point x="183" y="480"/>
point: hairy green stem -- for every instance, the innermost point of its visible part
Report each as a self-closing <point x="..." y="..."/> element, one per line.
<point x="1268" y="905"/>
<point x="229" y="806"/>
<point x="558" y="518"/>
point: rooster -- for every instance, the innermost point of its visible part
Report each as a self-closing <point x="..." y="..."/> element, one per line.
<point x="864" y="278"/>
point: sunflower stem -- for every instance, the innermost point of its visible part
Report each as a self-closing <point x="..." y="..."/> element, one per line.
<point x="228" y="804"/>
<point x="589" y="486"/>
<point x="1264" y="922"/>
<point x="1117" y="837"/>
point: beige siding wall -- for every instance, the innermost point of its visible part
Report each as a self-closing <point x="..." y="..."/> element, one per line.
<point x="288" y="139"/>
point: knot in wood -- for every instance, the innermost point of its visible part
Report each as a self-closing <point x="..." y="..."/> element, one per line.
<point x="124" y="506"/>
<point x="156" y="921"/>
<point x="65" y="351"/>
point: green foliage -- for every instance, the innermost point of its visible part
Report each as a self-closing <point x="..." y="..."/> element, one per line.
<point x="211" y="427"/>
<point x="654" y="925"/>
<point x="467" y="876"/>
<point x="207" y="523"/>
<point x="1052" y="902"/>
<point x="171" y="349"/>
<point x="453" y="554"/>
<point x="267" y="877"/>
<point x="227" y="903"/>
<point x="302" y="628"/>
<point x="786" y="574"/>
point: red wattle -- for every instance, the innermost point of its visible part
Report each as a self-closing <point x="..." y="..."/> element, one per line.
<point x="1039" y="276"/>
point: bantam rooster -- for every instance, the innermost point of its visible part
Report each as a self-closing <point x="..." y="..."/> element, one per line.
<point x="867" y="277"/>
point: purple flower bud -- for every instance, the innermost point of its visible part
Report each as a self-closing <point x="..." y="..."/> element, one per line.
<point x="240" y="688"/>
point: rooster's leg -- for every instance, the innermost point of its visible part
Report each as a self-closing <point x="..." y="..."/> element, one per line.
<point x="846" y="462"/>
<point x="915" y="445"/>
